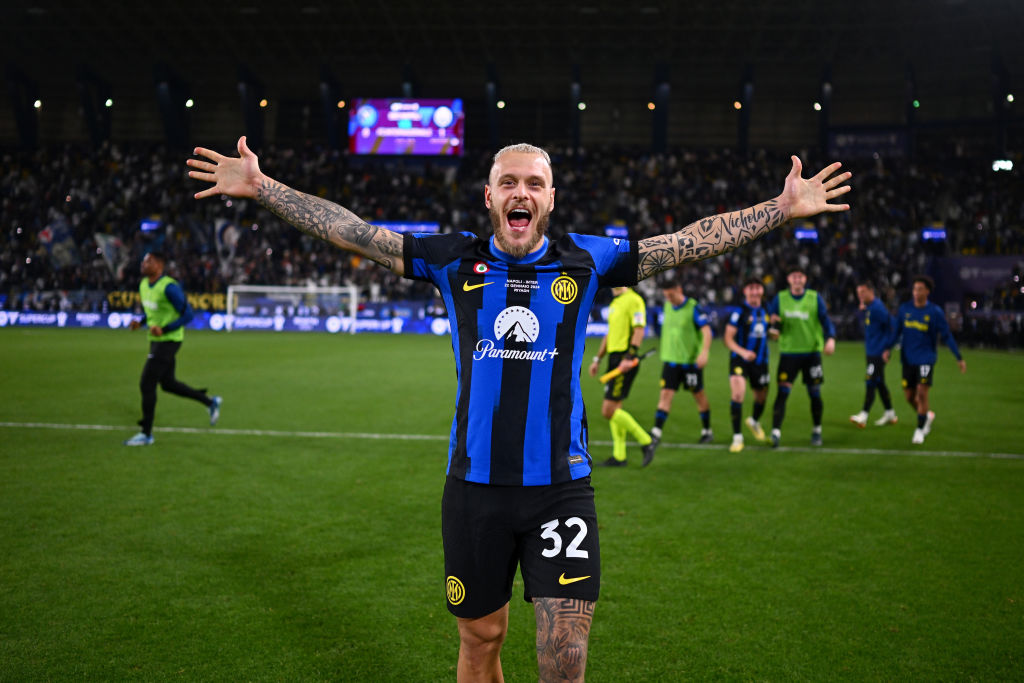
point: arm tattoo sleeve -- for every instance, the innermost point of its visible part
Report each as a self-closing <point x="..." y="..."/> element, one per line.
<point x="708" y="237"/>
<point x="332" y="223"/>
<point x="563" y="629"/>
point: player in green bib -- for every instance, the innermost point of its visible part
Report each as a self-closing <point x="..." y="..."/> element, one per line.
<point x="165" y="312"/>
<point x="627" y="320"/>
<point x="800" y="322"/>
<point x="685" y="345"/>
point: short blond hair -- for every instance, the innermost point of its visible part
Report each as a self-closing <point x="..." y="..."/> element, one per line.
<point x="520" y="148"/>
<point x="523" y="148"/>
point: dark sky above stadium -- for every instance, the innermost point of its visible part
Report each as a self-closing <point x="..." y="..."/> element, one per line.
<point x="532" y="46"/>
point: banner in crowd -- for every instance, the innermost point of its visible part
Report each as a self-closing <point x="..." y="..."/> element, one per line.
<point x="957" y="276"/>
<point x="860" y="143"/>
<point x="110" y="249"/>
<point x="59" y="243"/>
<point x="202" y="301"/>
<point x="281" y="322"/>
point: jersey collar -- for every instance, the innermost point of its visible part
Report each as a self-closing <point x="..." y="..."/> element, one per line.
<point x="532" y="257"/>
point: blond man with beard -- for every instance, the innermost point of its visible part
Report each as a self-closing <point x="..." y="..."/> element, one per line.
<point x="518" y="487"/>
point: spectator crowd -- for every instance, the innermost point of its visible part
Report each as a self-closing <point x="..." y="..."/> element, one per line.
<point x="72" y="221"/>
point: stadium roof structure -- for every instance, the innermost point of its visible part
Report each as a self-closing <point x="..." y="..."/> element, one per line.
<point x="947" y="52"/>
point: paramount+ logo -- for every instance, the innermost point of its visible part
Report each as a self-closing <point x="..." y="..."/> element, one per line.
<point x="515" y="327"/>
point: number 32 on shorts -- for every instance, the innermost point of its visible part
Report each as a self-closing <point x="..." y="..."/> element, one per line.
<point x="571" y="550"/>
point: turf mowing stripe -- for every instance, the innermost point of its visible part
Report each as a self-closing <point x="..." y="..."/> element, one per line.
<point x="430" y="437"/>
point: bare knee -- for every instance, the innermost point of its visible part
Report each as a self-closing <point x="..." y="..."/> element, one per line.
<point x="665" y="399"/>
<point x="479" y="635"/>
<point x="608" y="408"/>
<point x="480" y="642"/>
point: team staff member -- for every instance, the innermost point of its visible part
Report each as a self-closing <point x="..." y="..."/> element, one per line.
<point x="685" y="345"/>
<point x="878" y="330"/>
<point x="746" y="336"/>
<point x="165" y="312"/>
<point x="518" y="463"/>
<point x="920" y="324"/>
<point x="801" y="324"/>
<point x="627" y="319"/>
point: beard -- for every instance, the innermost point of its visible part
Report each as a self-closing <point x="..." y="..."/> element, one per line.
<point x="502" y="238"/>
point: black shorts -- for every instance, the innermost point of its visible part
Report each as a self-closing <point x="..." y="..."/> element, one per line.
<point x="917" y="374"/>
<point x="163" y="351"/>
<point x="756" y="373"/>
<point x="618" y="388"/>
<point x="874" y="373"/>
<point x="550" y="532"/>
<point x="807" y="365"/>
<point x="689" y="376"/>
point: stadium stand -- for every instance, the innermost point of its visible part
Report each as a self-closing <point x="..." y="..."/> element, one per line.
<point x="73" y="218"/>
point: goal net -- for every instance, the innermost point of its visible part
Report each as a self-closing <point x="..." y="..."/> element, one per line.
<point x="261" y="302"/>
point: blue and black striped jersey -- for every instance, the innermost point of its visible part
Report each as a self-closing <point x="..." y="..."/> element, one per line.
<point x="518" y="333"/>
<point x="751" y="330"/>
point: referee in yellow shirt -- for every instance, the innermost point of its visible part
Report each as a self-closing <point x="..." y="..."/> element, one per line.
<point x="627" y="318"/>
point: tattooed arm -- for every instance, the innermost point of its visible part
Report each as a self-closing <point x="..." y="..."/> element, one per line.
<point x="332" y="223"/>
<point x="241" y="177"/>
<point x="724" y="232"/>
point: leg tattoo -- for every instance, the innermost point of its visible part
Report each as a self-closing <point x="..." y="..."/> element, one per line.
<point x="563" y="628"/>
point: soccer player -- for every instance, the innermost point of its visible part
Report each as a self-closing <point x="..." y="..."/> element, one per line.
<point x="165" y="312"/>
<point x="685" y="345"/>
<point x="920" y="323"/>
<point x="518" y="488"/>
<point x="878" y="330"/>
<point x="746" y="336"/>
<point x="627" y="319"/>
<point x="800" y="322"/>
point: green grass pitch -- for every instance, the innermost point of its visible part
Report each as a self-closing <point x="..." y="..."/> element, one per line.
<point x="299" y="540"/>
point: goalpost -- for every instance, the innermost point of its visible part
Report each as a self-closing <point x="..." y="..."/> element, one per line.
<point x="275" y="300"/>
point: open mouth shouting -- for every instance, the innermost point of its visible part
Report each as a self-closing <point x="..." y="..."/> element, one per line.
<point x="518" y="219"/>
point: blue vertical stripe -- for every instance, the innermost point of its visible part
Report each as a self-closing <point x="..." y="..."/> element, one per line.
<point x="439" y="277"/>
<point x="537" y="446"/>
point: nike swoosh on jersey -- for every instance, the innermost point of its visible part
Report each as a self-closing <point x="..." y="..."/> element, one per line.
<point x="466" y="287"/>
<point x="565" y="582"/>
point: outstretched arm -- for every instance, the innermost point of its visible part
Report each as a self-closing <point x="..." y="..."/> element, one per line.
<point x="241" y="177"/>
<point x="724" y="232"/>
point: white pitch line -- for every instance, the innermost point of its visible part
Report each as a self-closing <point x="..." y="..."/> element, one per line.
<point x="432" y="437"/>
<point x="232" y="432"/>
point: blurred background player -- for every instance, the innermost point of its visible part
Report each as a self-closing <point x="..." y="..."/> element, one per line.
<point x="800" y="322"/>
<point x="685" y="344"/>
<point x="920" y="323"/>
<point x="627" y="319"/>
<point x="878" y="330"/>
<point x="746" y="336"/>
<point x="165" y="311"/>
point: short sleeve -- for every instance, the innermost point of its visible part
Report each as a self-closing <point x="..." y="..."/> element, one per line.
<point x="700" y="316"/>
<point x="425" y="255"/>
<point x="615" y="259"/>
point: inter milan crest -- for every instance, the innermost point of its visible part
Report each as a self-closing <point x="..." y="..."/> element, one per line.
<point x="564" y="290"/>
<point x="455" y="589"/>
